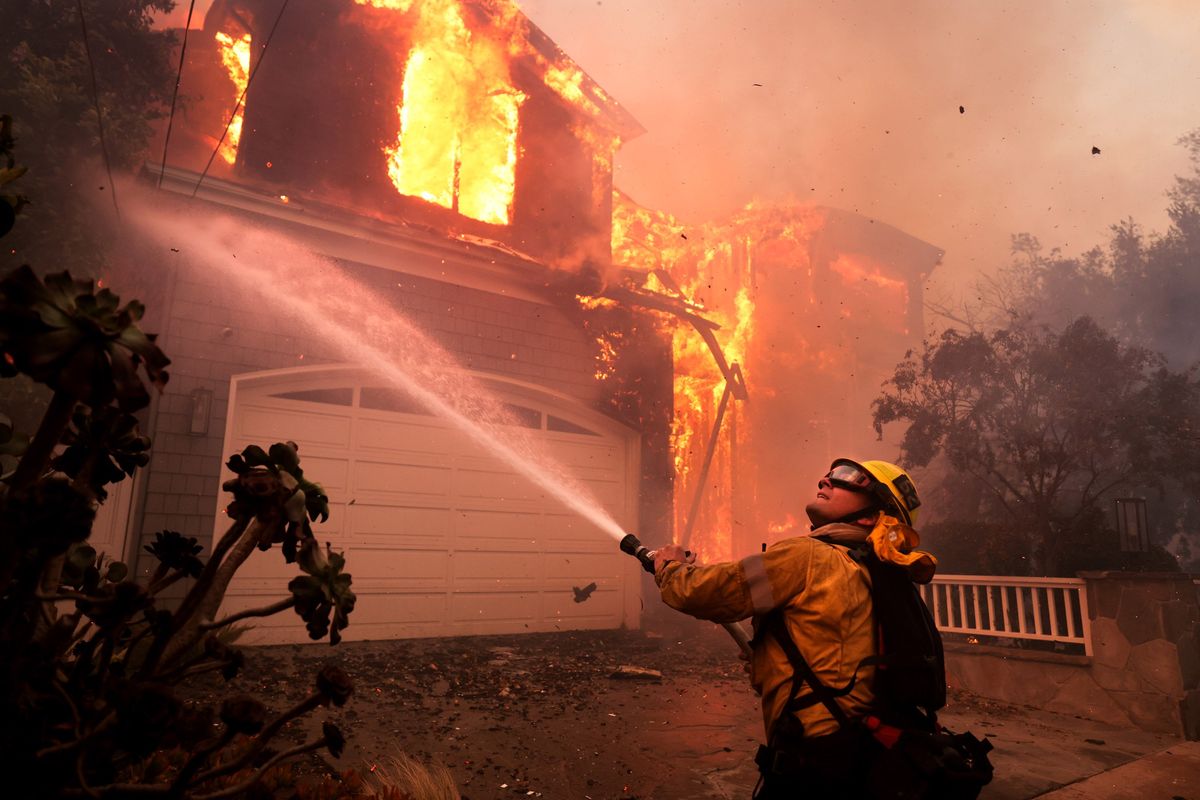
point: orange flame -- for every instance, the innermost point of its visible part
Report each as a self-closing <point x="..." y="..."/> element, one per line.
<point x="459" y="115"/>
<point x="714" y="267"/>
<point x="235" y="55"/>
<point x="606" y="357"/>
<point x="707" y="265"/>
<point x="457" y="143"/>
<point x="595" y="302"/>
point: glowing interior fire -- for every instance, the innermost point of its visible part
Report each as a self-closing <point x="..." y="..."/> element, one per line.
<point x="235" y="55"/>
<point x="459" y="114"/>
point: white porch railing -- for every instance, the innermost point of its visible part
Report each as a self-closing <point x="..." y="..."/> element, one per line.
<point x="1040" y="609"/>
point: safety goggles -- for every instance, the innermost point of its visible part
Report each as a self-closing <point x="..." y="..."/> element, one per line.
<point x="849" y="477"/>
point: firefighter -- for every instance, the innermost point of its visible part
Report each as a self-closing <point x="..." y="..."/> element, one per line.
<point x="820" y="595"/>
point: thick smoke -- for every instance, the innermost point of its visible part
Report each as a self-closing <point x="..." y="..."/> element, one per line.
<point x="856" y="106"/>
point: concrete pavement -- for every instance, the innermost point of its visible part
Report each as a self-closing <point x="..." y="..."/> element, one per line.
<point x="1170" y="774"/>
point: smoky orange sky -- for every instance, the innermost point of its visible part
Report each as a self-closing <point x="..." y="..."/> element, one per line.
<point x="855" y="104"/>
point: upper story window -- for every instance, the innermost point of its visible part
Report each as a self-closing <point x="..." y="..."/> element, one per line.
<point x="457" y="143"/>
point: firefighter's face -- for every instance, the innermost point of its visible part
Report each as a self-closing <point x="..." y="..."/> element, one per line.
<point x="835" y="502"/>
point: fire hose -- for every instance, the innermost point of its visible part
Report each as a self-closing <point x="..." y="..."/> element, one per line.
<point x="631" y="545"/>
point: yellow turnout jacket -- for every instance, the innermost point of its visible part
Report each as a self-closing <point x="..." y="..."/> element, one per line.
<point x="826" y="601"/>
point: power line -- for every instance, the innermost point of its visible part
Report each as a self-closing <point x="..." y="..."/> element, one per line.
<point x="175" y="95"/>
<point x="249" y="81"/>
<point x="87" y="49"/>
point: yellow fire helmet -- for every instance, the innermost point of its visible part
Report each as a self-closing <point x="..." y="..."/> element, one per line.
<point x="890" y="485"/>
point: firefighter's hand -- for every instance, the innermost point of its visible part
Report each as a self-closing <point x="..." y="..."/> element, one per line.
<point x="671" y="552"/>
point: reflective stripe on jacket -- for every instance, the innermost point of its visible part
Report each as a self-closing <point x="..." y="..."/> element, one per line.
<point x="826" y="601"/>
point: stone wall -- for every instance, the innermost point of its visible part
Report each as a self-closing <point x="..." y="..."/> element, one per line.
<point x="1145" y="667"/>
<point x="1146" y="646"/>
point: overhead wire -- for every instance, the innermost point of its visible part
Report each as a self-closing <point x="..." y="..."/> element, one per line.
<point x="175" y="94"/>
<point x="262" y="54"/>
<point x="87" y="49"/>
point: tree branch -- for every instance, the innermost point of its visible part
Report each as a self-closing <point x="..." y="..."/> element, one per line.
<point x="993" y="489"/>
<point x="195" y="595"/>
<point x="264" y="611"/>
<point x="234" y="791"/>
<point x="209" y="592"/>
<point x="64" y="747"/>
<point x="198" y="758"/>
<point x="260" y="741"/>
<point x="162" y="583"/>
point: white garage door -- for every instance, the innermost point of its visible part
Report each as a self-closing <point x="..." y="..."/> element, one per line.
<point x="441" y="539"/>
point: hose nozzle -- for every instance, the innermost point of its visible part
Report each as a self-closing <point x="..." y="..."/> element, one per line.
<point x="632" y="545"/>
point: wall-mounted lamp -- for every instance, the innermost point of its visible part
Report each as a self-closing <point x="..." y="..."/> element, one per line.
<point x="201" y="410"/>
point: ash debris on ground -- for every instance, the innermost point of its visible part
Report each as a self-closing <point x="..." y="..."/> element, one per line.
<point x="571" y="714"/>
<point x="609" y="715"/>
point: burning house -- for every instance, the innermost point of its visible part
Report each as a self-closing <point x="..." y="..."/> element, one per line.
<point x="811" y="309"/>
<point x="451" y="159"/>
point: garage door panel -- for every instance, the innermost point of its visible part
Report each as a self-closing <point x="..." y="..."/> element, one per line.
<point x="331" y="530"/>
<point x="331" y="473"/>
<point x="401" y="608"/>
<point x="586" y="455"/>
<point x="397" y="569"/>
<point x="488" y="527"/>
<point x="601" y="545"/>
<point x="418" y="436"/>
<point x="480" y="607"/>
<point x="413" y="526"/>
<point x="569" y="532"/>
<point x="267" y="570"/>
<point x="580" y="569"/>
<point x="258" y="423"/>
<point x="601" y="604"/>
<point x="338" y="522"/>
<point x="496" y="485"/>
<point x="381" y="480"/>
<point x="380" y="616"/>
<point x="286" y="626"/>
<point x="486" y="568"/>
<point x="439" y="536"/>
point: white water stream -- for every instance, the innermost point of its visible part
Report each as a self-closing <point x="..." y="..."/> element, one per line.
<point x="317" y="296"/>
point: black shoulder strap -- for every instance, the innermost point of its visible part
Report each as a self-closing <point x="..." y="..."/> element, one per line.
<point x="802" y="673"/>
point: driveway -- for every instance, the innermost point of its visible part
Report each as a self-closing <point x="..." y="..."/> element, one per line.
<point x="552" y="715"/>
